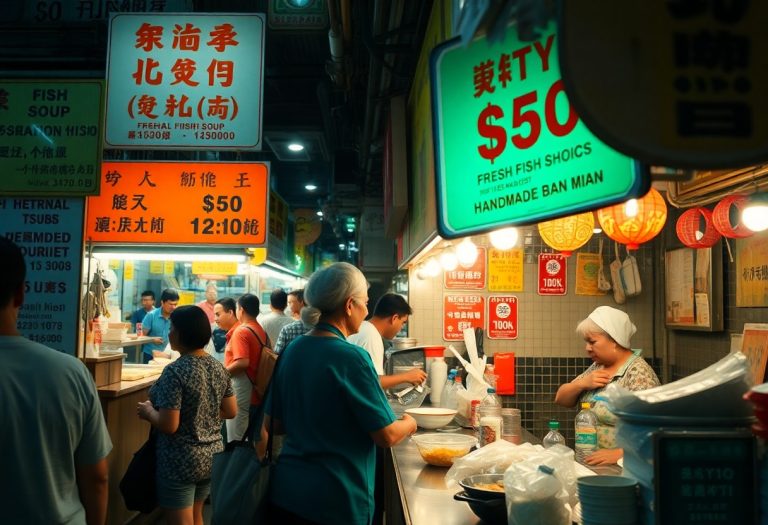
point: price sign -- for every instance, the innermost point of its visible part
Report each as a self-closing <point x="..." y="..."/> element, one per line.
<point x="502" y="317"/>
<point x="467" y="278"/>
<point x="505" y="270"/>
<point x="50" y="234"/>
<point x="180" y="203"/>
<point x="509" y="148"/>
<point x="461" y="312"/>
<point x="705" y="477"/>
<point x="552" y="274"/>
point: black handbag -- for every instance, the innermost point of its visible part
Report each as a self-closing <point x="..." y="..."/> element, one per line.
<point x="139" y="486"/>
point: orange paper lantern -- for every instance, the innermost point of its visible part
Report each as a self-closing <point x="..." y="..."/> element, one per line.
<point x="721" y="217"/>
<point x="631" y="226"/>
<point x="568" y="233"/>
<point x="689" y="232"/>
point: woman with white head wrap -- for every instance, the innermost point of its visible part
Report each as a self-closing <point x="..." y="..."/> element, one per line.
<point x="607" y="332"/>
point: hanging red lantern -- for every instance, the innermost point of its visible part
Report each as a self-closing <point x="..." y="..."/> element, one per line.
<point x="635" y="221"/>
<point x="568" y="233"/>
<point x="689" y="232"/>
<point x="721" y="217"/>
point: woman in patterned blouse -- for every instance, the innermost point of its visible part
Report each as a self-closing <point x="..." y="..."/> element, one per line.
<point x="186" y="405"/>
<point x="607" y="332"/>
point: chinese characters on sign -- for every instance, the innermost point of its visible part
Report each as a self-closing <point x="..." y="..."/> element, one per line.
<point x="588" y="266"/>
<point x="471" y="278"/>
<point x="752" y="271"/>
<point x="552" y="274"/>
<point x="461" y="312"/>
<point x="509" y="148"/>
<point x="505" y="270"/>
<point x="185" y="81"/>
<point x="180" y="203"/>
<point x="502" y="317"/>
<point x="49" y="137"/>
<point x="51" y="12"/>
<point x="49" y="233"/>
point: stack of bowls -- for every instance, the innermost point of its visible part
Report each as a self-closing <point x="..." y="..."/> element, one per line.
<point x="608" y="500"/>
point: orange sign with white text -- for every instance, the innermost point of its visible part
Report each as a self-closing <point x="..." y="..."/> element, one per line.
<point x="180" y="203"/>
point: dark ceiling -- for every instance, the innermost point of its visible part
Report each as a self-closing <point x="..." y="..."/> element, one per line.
<point x="336" y="107"/>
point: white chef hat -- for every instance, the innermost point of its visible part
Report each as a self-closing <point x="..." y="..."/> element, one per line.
<point x="615" y="323"/>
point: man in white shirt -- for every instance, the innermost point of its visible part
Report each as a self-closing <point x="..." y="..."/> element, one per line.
<point x="276" y="319"/>
<point x="389" y="316"/>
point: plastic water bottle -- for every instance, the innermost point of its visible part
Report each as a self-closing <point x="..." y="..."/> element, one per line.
<point x="438" y="372"/>
<point x="445" y="398"/>
<point x="489" y="421"/>
<point x="553" y="437"/>
<point x="586" y="433"/>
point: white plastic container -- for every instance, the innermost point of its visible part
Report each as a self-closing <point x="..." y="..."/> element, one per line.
<point x="438" y="372"/>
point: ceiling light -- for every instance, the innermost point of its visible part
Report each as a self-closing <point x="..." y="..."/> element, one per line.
<point x="432" y="267"/>
<point x="295" y="146"/>
<point x="310" y="187"/>
<point x="466" y="252"/>
<point x="160" y="256"/>
<point x="319" y="213"/>
<point x="448" y="259"/>
<point x="341" y="246"/>
<point x="351" y="230"/>
<point x="755" y="213"/>
<point x="504" y="238"/>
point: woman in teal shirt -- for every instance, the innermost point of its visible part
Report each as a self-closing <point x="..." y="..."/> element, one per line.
<point x="326" y="399"/>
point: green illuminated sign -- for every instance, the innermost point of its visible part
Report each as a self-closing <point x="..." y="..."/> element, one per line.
<point x="50" y="137"/>
<point x="509" y="149"/>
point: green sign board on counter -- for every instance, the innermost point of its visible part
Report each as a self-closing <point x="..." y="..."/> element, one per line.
<point x="509" y="148"/>
<point x="50" y="137"/>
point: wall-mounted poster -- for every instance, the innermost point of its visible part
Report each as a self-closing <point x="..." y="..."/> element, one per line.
<point x="694" y="288"/>
<point x="752" y="271"/>
<point x="502" y="317"/>
<point x="587" y="268"/>
<point x="470" y="278"/>
<point x="552" y="274"/>
<point x="505" y="270"/>
<point x="754" y="344"/>
<point x="461" y="312"/>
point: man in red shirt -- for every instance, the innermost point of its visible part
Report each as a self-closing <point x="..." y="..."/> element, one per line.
<point x="241" y="359"/>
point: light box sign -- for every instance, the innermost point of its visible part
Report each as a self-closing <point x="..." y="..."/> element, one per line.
<point x="185" y="81"/>
<point x="509" y="148"/>
<point x="186" y="203"/>
<point x="50" y="142"/>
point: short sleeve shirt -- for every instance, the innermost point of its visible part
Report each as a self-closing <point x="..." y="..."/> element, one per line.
<point x="243" y="343"/>
<point x="288" y="333"/>
<point x="194" y="385"/>
<point x="634" y="375"/>
<point x="155" y="325"/>
<point x="370" y="340"/>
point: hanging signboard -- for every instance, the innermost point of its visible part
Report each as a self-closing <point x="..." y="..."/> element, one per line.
<point x="502" y="317"/>
<point x="54" y="12"/>
<point x="469" y="278"/>
<point x="461" y="312"/>
<point x="552" y="274"/>
<point x="295" y="15"/>
<point x="180" y="203"/>
<point x="505" y="270"/>
<point x="185" y="81"/>
<point x="49" y="136"/>
<point x="509" y="148"/>
<point x="688" y="94"/>
<point x="50" y="234"/>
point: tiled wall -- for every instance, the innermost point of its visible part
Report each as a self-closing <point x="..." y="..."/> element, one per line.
<point x="548" y="352"/>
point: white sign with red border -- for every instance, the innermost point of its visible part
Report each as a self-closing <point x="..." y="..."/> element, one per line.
<point x="552" y="274"/>
<point x="502" y="317"/>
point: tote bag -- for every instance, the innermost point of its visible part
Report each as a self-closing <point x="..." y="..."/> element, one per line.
<point x="138" y="486"/>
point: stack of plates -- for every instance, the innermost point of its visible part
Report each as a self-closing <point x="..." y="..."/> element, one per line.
<point x="608" y="500"/>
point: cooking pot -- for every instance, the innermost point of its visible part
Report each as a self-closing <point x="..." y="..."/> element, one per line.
<point x="470" y="486"/>
<point x="492" y="511"/>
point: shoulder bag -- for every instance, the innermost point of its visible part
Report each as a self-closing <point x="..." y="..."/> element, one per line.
<point x="240" y="480"/>
<point x="267" y="362"/>
<point x="138" y="485"/>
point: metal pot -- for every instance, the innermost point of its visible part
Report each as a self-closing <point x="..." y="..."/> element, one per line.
<point x="470" y="486"/>
<point x="491" y="511"/>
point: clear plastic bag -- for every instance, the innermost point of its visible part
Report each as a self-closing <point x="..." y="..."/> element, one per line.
<point x="493" y="458"/>
<point x="534" y="494"/>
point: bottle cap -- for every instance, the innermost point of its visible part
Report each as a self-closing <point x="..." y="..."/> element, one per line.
<point x="586" y="404"/>
<point x="554" y="425"/>
<point x="491" y="390"/>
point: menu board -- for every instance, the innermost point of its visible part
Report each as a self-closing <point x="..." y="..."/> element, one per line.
<point x="705" y="477"/>
<point x="50" y="235"/>
<point x="50" y="141"/>
<point x="461" y="312"/>
<point x="180" y="203"/>
<point x="505" y="270"/>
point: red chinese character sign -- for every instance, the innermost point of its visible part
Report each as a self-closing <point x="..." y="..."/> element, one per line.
<point x="180" y="203"/>
<point x="688" y="93"/>
<point x="461" y="312"/>
<point x="502" y="317"/>
<point x="552" y="274"/>
<point x="185" y="81"/>
<point x="467" y="278"/>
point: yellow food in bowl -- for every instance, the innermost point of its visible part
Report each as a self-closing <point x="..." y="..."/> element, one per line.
<point x="442" y="457"/>
<point x="496" y="487"/>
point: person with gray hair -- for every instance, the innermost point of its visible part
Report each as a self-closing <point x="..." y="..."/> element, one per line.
<point x="325" y="397"/>
<point x="607" y="332"/>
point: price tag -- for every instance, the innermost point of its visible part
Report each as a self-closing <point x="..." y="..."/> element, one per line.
<point x="552" y="274"/>
<point x="180" y="203"/>
<point x="502" y="317"/>
<point x="705" y="477"/>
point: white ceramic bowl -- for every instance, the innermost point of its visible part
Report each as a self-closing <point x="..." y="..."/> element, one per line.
<point x="431" y="417"/>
